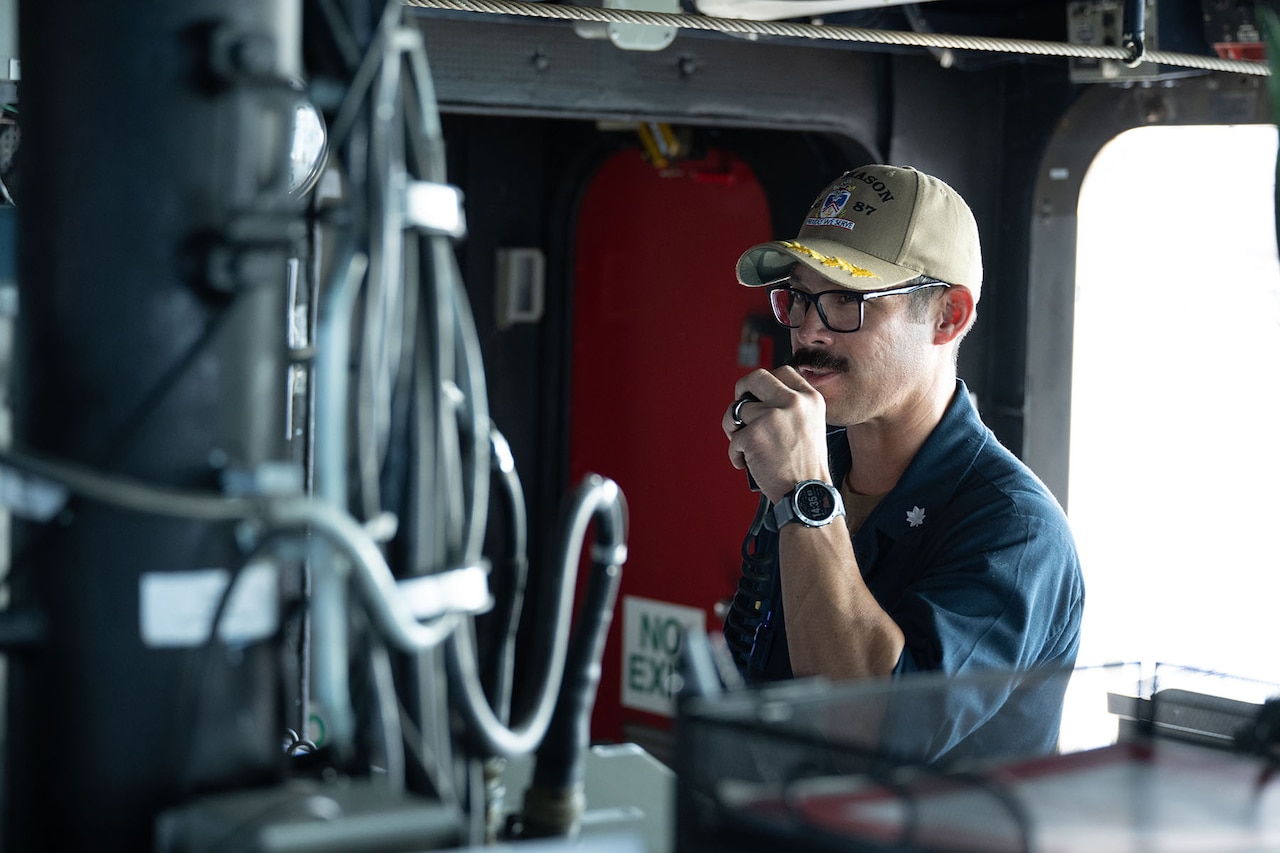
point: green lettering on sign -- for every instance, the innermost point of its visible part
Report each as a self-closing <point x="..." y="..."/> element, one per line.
<point x="636" y="669"/>
<point x="661" y="634"/>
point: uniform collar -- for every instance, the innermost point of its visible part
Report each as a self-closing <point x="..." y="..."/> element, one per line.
<point x="932" y="476"/>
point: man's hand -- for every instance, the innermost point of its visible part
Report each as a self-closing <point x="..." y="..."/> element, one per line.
<point x="782" y="438"/>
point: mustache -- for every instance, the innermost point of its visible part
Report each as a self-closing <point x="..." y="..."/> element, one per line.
<point x="820" y="360"/>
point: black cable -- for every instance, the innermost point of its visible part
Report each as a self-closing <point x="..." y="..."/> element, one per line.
<point x="299" y="745"/>
<point x="315" y="292"/>
<point x="121" y="441"/>
<point x="449" y="406"/>
<point x="204" y="659"/>
<point x="381" y="710"/>
<point x="499" y="670"/>
<point x="755" y="565"/>
<point x="750" y="602"/>
<point x="343" y="40"/>
<point x="130" y="494"/>
<point x="428" y="762"/>
<point x="131" y="426"/>
<point x="474" y="409"/>
<point x="387" y="607"/>
<point x="424" y="712"/>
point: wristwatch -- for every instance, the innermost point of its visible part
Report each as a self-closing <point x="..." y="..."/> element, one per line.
<point x="813" y="503"/>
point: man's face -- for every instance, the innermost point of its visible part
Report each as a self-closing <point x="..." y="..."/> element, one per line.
<point x="868" y="375"/>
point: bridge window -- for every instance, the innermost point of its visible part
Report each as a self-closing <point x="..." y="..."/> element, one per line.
<point x="1175" y="430"/>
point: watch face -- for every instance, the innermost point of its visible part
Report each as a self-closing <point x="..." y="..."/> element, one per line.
<point x="815" y="502"/>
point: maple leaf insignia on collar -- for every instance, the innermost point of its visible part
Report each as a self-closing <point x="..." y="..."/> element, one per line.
<point x="915" y="516"/>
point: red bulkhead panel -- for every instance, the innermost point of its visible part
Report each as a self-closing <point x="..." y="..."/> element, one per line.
<point x="662" y="330"/>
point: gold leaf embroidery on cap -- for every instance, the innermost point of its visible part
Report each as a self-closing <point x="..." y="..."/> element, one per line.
<point x="829" y="261"/>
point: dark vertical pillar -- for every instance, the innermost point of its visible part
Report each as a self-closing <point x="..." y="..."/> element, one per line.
<point x="154" y="230"/>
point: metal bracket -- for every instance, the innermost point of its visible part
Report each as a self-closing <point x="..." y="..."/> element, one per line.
<point x="632" y="36"/>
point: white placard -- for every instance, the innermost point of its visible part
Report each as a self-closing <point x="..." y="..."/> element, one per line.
<point x="652" y="637"/>
<point x="177" y="609"/>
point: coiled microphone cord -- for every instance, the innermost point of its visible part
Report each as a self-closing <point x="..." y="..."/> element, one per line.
<point x="751" y="600"/>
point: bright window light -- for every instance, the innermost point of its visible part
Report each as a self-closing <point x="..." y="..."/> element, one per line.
<point x="1174" y="489"/>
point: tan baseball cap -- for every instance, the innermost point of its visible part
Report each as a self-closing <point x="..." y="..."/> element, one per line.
<point x="876" y="227"/>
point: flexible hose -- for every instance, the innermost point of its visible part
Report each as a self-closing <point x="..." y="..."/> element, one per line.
<point x="598" y="498"/>
<point x="328" y="610"/>
<point x="388" y="609"/>
<point x="554" y="803"/>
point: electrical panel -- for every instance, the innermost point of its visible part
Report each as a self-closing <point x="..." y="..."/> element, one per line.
<point x="1100" y="23"/>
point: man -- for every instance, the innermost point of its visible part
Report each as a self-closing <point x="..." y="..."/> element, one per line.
<point x="899" y="535"/>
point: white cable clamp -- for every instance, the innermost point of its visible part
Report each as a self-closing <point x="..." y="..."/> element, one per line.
<point x="435" y="208"/>
<point x="464" y="590"/>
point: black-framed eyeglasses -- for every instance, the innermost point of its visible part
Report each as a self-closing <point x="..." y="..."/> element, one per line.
<point x="840" y="310"/>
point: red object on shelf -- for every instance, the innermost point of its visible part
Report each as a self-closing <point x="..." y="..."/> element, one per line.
<point x="1251" y="51"/>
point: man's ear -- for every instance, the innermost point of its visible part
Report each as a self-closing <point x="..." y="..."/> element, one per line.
<point x="956" y="314"/>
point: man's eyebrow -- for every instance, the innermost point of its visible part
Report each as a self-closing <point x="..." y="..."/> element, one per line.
<point x="797" y="284"/>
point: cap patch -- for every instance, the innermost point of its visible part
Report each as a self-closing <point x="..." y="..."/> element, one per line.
<point x="838" y="199"/>
<point x="835" y="203"/>
<point x="828" y="260"/>
<point x="832" y="206"/>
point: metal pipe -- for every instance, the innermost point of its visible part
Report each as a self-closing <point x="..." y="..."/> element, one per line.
<point x="1133" y="31"/>
<point x="137" y="237"/>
